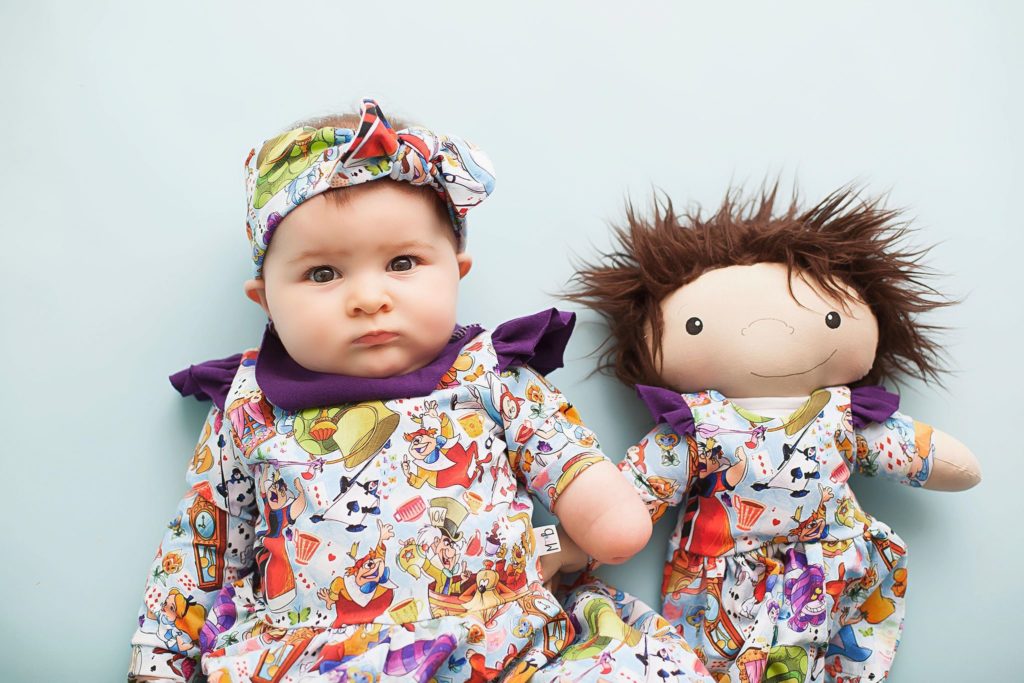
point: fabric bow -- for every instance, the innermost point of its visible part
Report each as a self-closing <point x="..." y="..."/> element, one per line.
<point x="304" y="162"/>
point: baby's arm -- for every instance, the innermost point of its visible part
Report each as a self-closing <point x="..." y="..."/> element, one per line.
<point x="208" y="545"/>
<point x="602" y="513"/>
<point x="915" y="454"/>
<point x="559" y="459"/>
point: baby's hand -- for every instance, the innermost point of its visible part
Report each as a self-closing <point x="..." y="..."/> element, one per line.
<point x="568" y="560"/>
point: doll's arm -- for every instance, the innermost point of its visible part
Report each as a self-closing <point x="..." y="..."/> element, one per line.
<point x="658" y="468"/>
<point x="954" y="468"/>
<point x="208" y="544"/>
<point x="560" y="461"/>
<point x="915" y="454"/>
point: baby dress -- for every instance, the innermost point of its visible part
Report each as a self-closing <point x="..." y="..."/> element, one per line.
<point x="338" y="530"/>
<point x="774" y="572"/>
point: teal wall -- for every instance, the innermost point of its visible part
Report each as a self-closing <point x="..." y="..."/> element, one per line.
<point x="123" y="127"/>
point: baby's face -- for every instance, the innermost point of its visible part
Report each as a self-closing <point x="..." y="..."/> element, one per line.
<point x="366" y="288"/>
<point x="738" y="330"/>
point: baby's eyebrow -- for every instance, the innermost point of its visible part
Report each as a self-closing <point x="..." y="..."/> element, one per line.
<point x="318" y="253"/>
<point x="408" y="245"/>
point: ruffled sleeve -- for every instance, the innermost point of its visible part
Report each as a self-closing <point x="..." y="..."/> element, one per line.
<point x="872" y="404"/>
<point x="667" y="407"/>
<point x="209" y="381"/>
<point x="537" y="340"/>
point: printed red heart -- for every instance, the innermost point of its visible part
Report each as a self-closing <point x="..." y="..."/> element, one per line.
<point x="776" y="522"/>
<point x="332" y="557"/>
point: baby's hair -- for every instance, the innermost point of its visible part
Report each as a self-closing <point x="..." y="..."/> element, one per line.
<point x="843" y="240"/>
<point x="341" y="195"/>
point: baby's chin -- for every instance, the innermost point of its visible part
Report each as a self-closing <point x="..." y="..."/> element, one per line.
<point x="376" y="364"/>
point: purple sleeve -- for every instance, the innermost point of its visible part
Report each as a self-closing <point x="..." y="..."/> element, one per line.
<point x="537" y="340"/>
<point x="872" y="404"/>
<point x="667" y="406"/>
<point x="209" y="381"/>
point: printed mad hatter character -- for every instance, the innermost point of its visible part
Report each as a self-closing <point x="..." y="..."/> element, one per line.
<point x="366" y="589"/>
<point x="437" y="553"/>
<point x="281" y="508"/>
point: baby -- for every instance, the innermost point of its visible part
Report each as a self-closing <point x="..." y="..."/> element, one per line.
<point x="359" y="498"/>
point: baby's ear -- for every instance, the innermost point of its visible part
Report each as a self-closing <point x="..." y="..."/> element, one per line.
<point x="465" y="262"/>
<point x="256" y="290"/>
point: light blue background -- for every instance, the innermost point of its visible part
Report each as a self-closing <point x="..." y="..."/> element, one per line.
<point x="124" y="128"/>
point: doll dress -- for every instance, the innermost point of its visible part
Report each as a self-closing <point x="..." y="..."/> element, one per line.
<point x="773" y="571"/>
<point x="333" y="532"/>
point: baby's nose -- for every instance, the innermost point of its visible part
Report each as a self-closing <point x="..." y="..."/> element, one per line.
<point x="368" y="297"/>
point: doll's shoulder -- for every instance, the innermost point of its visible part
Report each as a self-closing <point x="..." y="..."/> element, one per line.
<point x="218" y="380"/>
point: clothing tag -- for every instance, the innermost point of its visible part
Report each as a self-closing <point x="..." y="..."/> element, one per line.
<point x="546" y="538"/>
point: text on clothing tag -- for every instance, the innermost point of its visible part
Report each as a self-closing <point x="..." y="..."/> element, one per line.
<point x="546" y="538"/>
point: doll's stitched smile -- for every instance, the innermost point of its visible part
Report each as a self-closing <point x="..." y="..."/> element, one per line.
<point x="794" y="374"/>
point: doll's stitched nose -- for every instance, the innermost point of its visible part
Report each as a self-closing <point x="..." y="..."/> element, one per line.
<point x="767" y="325"/>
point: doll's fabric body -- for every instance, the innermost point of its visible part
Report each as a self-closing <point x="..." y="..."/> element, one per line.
<point x="774" y="572"/>
<point x="381" y="538"/>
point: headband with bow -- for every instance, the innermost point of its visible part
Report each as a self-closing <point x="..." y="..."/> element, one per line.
<point x="305" y="162"/>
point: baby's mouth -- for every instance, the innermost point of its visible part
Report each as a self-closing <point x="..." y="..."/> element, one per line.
<point x="794" y="374"/>
<point x="376" y="337"/>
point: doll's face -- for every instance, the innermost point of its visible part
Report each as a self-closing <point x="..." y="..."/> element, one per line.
<point x="367" y="288"/>
<point x="739" y="331"/>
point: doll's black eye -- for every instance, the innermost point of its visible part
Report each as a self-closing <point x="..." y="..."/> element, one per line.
<point x="833" y="320"/>
<point x="694" y="326"/>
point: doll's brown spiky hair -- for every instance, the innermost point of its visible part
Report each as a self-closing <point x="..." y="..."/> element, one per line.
<point x="844" y="239"/>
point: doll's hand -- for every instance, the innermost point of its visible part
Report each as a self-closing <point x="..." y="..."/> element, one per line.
<point x="954" y="467"/>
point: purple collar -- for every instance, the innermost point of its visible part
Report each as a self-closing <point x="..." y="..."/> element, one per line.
<point x="536" y="340"/>
<point x="290" y="386"/>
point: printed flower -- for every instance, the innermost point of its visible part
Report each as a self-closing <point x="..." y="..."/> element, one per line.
<point x="476" y="634"/>
<point x="172" y="563"/>
<point x="534" y="393"/>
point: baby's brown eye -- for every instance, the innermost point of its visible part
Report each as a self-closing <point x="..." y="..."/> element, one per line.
<point x="402" y="263"/>
<point x="694" y="326"/>
<point x="321" y="274"/>
<point x="833" y="320"/>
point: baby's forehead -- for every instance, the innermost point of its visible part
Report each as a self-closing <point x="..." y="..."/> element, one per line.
<point x="322" y="227"/>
